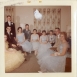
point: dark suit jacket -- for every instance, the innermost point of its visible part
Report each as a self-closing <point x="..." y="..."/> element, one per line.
<point x="27" y="34"/>
<point x="10" y="38"/>
<point x="12" y="28"/>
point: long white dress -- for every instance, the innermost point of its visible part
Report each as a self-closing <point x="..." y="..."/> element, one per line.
<point x="43" y="47"/>
<point x="26" y="45"/>
<point x="35" y="43"/>
<point x="13" y="58"/>
<point x="53" y="63"/>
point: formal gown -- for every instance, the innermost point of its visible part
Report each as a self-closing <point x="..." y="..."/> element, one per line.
<point x="50" y="63"/>
<point x="26" y="45"/>
<point x="43" y="47"/>
<point x="35" y="43"/>
<point x="13" y="58"/>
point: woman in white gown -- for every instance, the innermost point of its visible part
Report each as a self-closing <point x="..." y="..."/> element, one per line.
<point x="35" y="41"/>
<point x="26" y="45"/>
<point x="51" y="61"/>
<point x="44" y="44"/>
<point x="13" y="58"/>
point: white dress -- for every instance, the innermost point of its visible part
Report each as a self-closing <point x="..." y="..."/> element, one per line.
<point x="43" y="47"/>
<point x="27" y="46"/>
<point x="13" y="58"/>
<point x="52" y="63"/>
<point x="35" y="43"/>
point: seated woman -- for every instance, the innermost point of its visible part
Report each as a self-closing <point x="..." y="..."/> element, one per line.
<point x="13" y="58"/>
<point x="51" y="61"/>
<point x="44" y="44"/>
<point x="26" y="45"/>
<point x="35" y="41"/>
<point x="51" y="38"/>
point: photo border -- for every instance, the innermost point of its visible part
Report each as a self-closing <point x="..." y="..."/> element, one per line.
<point x="73" y="33"/>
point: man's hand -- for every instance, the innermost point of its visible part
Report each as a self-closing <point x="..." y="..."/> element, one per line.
<point x="18" y="44"/>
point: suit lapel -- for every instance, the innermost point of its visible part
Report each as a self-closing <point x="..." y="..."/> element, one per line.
<point x="8" y="23"/>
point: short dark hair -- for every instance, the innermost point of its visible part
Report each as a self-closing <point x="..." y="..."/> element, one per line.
<point x="57" y="28"/>
<point x="35" y="30"/>
<point x="8" y="16"/>
<point x="44" y="31"/>
<point x="19" y="28"/>
<point x="27" y="25"/>
<point x="51" y="31"/>
<point x="8" y="26"/>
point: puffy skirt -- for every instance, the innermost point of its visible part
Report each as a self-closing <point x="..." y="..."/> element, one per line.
<point x="35" y="45"/>
<point x="27" y="46"/>
<point x="13" y="59"/>
<point x="50" y="63"/>
<point x="42" y="49"/>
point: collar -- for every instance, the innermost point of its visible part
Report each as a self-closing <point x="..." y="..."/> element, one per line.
<point x="58" y="36"/>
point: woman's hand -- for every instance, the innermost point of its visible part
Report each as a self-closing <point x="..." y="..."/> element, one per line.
<point x="45" y="42"/>
<point x="13" y="45"/>
<point x="56" y="54"/>
<point x="37" y="40"/>
<point x="52" y="55"/>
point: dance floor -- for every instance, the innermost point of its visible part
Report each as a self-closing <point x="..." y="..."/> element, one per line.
<point x="31" y="65"/>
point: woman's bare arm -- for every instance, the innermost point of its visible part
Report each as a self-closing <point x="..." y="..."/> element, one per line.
<point x="65" y="48"/>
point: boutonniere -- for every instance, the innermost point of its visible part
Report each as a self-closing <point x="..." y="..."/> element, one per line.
<point x="11" y="33"/>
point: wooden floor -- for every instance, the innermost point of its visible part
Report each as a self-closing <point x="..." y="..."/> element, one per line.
<point x="31" y="65"/>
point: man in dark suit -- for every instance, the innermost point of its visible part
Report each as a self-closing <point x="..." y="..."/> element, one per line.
<point x="11" y="24"/>
<point x="27" y="32"/>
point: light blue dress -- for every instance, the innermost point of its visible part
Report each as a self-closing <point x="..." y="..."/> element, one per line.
<point x="27" y="46"/>
<point x="43" y="47"/>
<point x="50" y="63"/>
<point x="35" y="44"/>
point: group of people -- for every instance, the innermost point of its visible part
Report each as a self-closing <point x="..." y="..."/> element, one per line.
<point x="50" y="48"/>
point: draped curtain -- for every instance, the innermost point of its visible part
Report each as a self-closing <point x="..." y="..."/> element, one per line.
<point x="9" y="10"/>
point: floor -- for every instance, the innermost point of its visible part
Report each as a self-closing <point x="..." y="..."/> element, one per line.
<point x="31" y="65"/>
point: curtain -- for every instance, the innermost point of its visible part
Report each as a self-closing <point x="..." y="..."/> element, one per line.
<point x="9" y="10"/>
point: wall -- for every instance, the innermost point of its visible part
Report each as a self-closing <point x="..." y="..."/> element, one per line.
<point x="24" y="14"/>
<point x="65" y="18"/>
